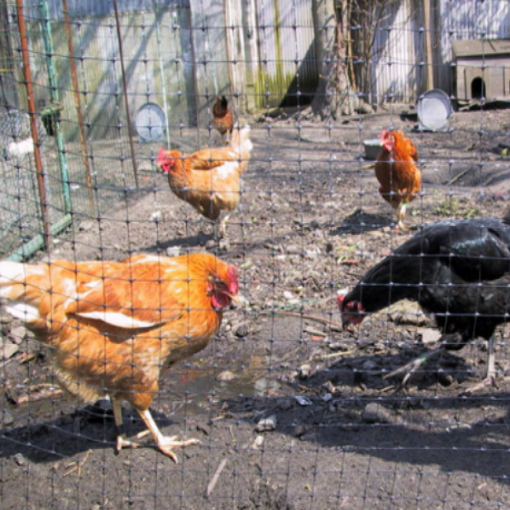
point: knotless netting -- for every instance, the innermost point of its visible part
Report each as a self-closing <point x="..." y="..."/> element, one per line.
<point x="210" y="231"/>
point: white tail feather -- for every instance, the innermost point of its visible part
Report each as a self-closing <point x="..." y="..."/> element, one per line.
<point x="117" y="319"/>
<point x="241" y="139"/>
<point x="23" y="311"/>
<point x="16" y="272"/>
<point x="11" y="272"/>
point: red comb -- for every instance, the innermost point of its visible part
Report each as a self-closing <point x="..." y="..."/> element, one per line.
<point x="233" y="286"/>
<point x="161" y="155"/>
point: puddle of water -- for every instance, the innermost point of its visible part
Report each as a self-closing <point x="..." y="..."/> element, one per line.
<point x="186" y="390"/>
<point x="200" y="386"/>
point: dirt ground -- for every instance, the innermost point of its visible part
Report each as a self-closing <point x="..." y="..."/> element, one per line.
<point x="292" y="413"/>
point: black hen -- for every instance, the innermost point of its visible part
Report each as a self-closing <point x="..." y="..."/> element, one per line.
<point x="457" y="270"/>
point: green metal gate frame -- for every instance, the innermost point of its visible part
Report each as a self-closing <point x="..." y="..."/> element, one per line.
<point x="43" y="241"/>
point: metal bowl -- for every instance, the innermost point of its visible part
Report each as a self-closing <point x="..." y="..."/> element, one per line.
<point x="434" y="109"/>
<point x="150" y="122"/>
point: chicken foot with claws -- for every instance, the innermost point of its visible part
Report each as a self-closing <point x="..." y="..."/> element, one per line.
<point x="122" y="441"/>
<point x="490" y="379"/>
<point x="163" y="443"/>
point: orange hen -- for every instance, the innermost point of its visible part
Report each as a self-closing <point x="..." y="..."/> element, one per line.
<point x="209" y="179"/>
<point x="395" y="169"/>
<point x="223" y="118"/>
<point x="114" y="326"/>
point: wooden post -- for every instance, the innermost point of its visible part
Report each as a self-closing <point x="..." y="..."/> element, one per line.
<point x="251" y="35"/>
<point x="77" y="104"/>
<point x="428" y="45"/>
<point x="125" y="89"/>
<point x="194" y="72"/>
<point x="236" y="54"/>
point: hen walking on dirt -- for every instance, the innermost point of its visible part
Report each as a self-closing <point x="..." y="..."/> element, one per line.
<point x="459" y="271"/>
<point x="113" y="327"/>
<point x="210" y="179"/>
<point x="395" y="169"/>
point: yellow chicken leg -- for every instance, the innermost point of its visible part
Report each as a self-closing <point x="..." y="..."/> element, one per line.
<point x="401" y="213"/>
<point x="223" y="226"/>
<point x="122" y="441"/>
<point x="164" y="443"/>
<point x="490" y="379"/>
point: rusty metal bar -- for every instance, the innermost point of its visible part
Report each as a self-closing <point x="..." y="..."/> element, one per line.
<point x="124" y="86"/>
<point x="77" y="103"/>
<point x="33" y="124"/>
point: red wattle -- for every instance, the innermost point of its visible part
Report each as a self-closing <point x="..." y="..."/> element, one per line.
<point x="220" y="300"/>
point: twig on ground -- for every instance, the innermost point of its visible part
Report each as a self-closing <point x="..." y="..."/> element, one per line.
<point x="42" y="394"/>
<point x="216" y="476"/>
<point x="458" y="176"/>
<point x="328" y="322"/>
<point x="25" y="357"/>
<point x="313" y="331"/>
<point x="333" y="355"/>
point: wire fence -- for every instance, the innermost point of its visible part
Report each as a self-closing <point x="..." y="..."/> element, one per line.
<point x="295" y="404"/>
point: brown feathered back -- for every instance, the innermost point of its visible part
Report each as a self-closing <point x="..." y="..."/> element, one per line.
<point x="209" y="179"/>
<point x="113" y="326"/>
<point x="395" y="169"/>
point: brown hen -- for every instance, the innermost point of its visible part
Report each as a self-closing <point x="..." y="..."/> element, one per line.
<point x="395" y="169"/>
<point x="113" y="327"/>
<point x="209" y="179"/>
<point x="223" y="120"/>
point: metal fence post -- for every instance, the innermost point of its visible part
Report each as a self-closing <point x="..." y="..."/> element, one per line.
<point x="52" y="77"/>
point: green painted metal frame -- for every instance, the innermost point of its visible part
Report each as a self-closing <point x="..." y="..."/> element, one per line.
<point x="38" y="242"/>
<point x="41" y="241"/>
<point x="54" y="96"/>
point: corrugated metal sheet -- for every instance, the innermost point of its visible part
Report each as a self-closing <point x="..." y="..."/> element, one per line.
<point x="211" y="67"/>
<point x="97" y="7"/>
<point x="467" y="19"/>
<point x="287" y="51"/>
<point x="99" y="71"/>
<point x="194" y="55"/>
<point x="396" y="71"/>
